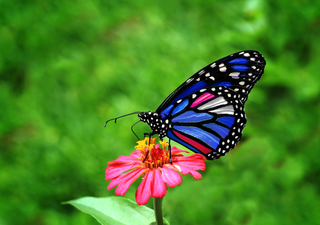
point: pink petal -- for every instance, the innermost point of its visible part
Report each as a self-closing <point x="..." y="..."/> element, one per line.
<point x="117" y="180"/>
<point x="196" y="175"/>
<point x="175" y="150"/>
<point x="187" y="170"/>
<point x="114" y="171"/>
<point x="182" y="169"/>
<point x="127" y="180"/>
<point x="136" y="154"/>
<point x="158" y="188"/>
<point x="173" y="167"/>
<point x="123" y="159"/>
<point x="171" y="177"/>
<point x="143" y="192"/>
<point x="195" y="161"/>
<point x="193" y="166"/>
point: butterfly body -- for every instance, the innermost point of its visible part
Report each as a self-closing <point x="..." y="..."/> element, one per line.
<point x="206" y="112"/>
<point x="157" y="124"/>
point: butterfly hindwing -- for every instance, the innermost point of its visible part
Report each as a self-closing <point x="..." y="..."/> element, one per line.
<point x="209" y="121"/>
<point x="239" y="72"/>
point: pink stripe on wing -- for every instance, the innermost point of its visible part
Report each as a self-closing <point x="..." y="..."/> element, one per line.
<point x="195" y="144"/>
<point x="202" y="98"/>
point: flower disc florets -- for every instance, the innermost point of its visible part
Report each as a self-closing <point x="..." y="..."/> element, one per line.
<point x="152" y="155"/>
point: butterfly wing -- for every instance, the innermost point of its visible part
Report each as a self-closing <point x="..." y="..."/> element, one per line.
<point x="239" y="72"/>
<point x="210" y="121"/>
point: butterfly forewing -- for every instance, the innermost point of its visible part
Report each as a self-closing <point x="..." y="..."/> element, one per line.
<point x="239" y="72"/>
<point x="209" y="121"/>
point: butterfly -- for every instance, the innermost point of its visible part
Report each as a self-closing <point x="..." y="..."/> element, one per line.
<point x="206" y="112"/>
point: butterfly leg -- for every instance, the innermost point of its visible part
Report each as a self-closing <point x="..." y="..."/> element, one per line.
<point x="170" y="150"/>
<point x="147" y="134"/>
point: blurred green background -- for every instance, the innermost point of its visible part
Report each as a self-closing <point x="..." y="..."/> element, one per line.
<point x="68" y="66"/>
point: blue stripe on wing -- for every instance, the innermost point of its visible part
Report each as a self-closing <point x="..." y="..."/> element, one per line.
<point x="206" y="137"/>
<point x="191" y="117"/>
<point x="180" y="107"/>
<point x="226" y="120"/>
<point x="173" y="137"/>
<point x="222" y="83"/>
<point x="239" y="60"/>
<point x="222" y="131"/>
<point x="240" y="67"/>
<point x="189" y="90"/>
<point x="166" y="111"/>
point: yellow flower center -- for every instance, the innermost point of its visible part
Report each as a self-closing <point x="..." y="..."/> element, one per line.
<point x="152" y="156"/>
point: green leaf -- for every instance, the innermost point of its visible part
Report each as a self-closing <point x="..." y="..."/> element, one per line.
<point x="115" y="210"/>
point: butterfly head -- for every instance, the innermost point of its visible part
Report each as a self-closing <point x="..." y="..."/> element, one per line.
<point x="158" y="125"/>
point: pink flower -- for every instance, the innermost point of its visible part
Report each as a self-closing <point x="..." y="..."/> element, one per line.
<point x="156" y="170"/>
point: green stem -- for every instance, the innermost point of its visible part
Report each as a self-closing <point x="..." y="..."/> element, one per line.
<point x="157" y="205"/>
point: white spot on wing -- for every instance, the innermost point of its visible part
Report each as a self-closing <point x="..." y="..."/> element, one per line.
<point x="224" y="110"/>
<point x="189" y="80"/>
<point x="213" y="103"/>
<point x="234" y="75"/>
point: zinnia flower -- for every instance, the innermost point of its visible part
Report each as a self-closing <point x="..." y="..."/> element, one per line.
<point x="152" y="163"/>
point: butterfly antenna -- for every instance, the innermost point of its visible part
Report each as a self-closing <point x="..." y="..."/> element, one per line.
<point x="115" y="119"/>
<point x="133" y="131"/>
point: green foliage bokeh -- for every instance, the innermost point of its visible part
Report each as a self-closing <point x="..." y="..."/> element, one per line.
<point x="66" y="67"/>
